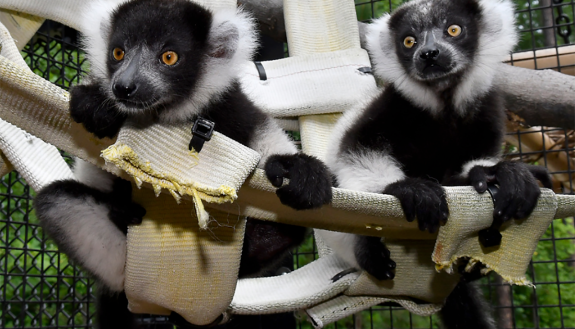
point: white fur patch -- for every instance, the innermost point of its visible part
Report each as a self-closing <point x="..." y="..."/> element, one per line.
<point x="92" y="176"/>
<point x="269" y="139"/>
<point x="95" y="28"/>
<point x="497" y="38"/>
<point x="86" y="232"/>
<point x="368" y="171"/>
<point x="219" y="73"/>
<point x="487" y="162"/>
<point x="342" y="244"/>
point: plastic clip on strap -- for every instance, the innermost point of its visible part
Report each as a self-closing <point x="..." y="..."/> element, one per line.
<point x="491" y="237"/>
<point x="201" y="132"/>
<point x="365" y="70"/>
<point x="261" y="71"/>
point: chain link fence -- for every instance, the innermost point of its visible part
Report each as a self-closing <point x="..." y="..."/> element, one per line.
<point x="40" y="288"/>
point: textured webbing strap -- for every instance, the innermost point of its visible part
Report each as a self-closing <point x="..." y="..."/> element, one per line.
<point x="310" y="84"/>
<point x="21" y="26"/>
<point x="469" y="214"/>
<point x="173" y="265"/>
<point x="304" y="287"/>
<point x="344" y="306"/>
<point x="9" y="50"/>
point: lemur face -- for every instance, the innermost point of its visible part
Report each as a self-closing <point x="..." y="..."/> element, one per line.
<point x="435" y="41"/>
<point x="154" y="66"/>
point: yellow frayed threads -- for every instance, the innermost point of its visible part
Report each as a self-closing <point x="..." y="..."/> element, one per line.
<point x="126" y="159"/>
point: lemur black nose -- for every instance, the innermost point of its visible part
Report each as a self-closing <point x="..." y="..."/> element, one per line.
<point x="429" y="54"/>
<point x="124" y="90"/>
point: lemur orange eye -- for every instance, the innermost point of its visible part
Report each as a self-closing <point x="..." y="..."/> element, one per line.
<point x="118" y="54"/>
<point x="454" y="30"/>
<point x="409" y="42"/>
<point x="169" y="58"/>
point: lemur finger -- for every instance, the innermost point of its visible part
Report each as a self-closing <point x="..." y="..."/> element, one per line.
<point x="541" y="174"/>
<point x="478" y="178"/>
<point x="529" y="202"/>
<point x="373" y="256"/>
<point x="276" y="170"/>
<point x="406" y="198"/>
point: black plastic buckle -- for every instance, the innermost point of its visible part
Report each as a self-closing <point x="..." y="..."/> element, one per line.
<point x="491" y="237"/>
<point x="202" y="131"/>
<point x="365" y="70"/>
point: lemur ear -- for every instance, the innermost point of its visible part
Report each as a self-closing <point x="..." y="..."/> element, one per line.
<point x="232" y="36"/>
<point x="224" y="40"/>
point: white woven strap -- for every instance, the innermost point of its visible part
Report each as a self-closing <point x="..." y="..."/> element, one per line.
<point x="302" y="288"/>
<point x="38" y="162"/>
<point x="310" y="84"/>
<point x="344" y="306"/>
<point x="21" y="26"/>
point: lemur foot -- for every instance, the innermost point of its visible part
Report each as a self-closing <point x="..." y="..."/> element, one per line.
<point x="309" y="180"/>
<point x="518" y="190"/>
<point x="373" y="256"/>
<point x="123" y="211"/>
<point x="90" y="107"/>
<point x="423" y="199"/>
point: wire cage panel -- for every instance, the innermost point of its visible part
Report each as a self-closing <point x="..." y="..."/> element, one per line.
<point x="41" y="288"/>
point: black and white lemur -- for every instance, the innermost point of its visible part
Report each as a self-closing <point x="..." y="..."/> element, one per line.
<point x="168" y="61"/>
<point x="440" y="121"/>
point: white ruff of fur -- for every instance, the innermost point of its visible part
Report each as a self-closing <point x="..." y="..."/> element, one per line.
<point x="497" y="38"/>
<point x="219" y="73"/>
<point x="95" y="31"/>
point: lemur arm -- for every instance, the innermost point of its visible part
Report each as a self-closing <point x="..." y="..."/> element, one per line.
<point x="94" y="110"/>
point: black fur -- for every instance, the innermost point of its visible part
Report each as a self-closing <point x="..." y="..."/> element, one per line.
<point x="123" y="211"/>
<point x="91" y="107"/>
<point x="309" y="180"/>
<point x="264" y="245"/>
<point x="465" y="308"/>
<point x="405" y="22"/>
<point x="178" y="26"/>
<point x="112" y="312"/>
<point x="421" y="197"/>
<point x="374" y="257"/>
<point x="518" y="190"/>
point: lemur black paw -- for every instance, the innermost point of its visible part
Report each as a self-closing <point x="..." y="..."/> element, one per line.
<point x="309" y="180"/>
<point x="90" y="107"/>
<point x="518" y="190"/>
<point x="123" y="211"/>
<point x="373" y="257"/>
<point x="423" y="199"/>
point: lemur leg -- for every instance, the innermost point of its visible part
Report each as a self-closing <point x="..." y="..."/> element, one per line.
<point x="90" y="225"/>
<point x="265" y="243"/>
